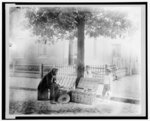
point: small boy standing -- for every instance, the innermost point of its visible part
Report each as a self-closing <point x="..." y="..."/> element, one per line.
<point x="88" y="72"/>
<point x="108" y="78"/>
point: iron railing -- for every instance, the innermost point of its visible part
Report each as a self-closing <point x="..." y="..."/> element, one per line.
<point x="64" y="70"/>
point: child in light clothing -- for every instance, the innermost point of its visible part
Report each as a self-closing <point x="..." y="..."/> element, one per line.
<point x="108" y="78"/>
<point x="88" y="72"/>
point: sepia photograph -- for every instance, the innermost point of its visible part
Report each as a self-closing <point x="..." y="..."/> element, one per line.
<point x="75" y="60"/>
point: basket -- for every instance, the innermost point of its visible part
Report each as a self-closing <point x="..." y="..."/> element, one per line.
<point x="80" y="96"/>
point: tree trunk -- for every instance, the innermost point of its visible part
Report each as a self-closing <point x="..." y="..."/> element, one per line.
<point x="70" y="58"/>
<point x="80" y="49"/>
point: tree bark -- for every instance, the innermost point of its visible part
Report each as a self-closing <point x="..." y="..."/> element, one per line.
<point x="70" y="58"/>
<point x="80" y="48"/>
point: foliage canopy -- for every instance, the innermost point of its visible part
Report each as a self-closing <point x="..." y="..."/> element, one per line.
<point x="62" y="22"/>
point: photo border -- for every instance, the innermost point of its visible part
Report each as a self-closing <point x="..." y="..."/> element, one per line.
<point x="69" y="3"/>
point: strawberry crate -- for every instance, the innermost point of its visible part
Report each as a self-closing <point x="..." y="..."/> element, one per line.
<point x="80" y="96"/>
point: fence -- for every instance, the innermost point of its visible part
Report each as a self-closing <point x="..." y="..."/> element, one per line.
<point x="35" y="70"/>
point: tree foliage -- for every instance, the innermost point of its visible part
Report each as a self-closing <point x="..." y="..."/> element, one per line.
<point x="107" y="24"/>
<point x="52" y="22"/>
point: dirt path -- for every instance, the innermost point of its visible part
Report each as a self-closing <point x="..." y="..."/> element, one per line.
<point x="25" y="102"/>
<point x="126" y="87"/>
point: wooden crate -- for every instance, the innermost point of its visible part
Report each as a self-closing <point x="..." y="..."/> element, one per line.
<point x="80" y="96"/>
<point x="66" y="81"/>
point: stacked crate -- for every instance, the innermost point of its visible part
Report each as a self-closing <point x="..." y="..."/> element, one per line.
<point x="66" y="81"/>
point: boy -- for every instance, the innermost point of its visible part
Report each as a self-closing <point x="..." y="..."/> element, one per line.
<point x="108" y="78"/>
<point x="87" y="72"/>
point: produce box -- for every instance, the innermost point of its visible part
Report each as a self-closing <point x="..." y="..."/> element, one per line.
<point x="66" y="81"/>
<point x="82" y="96"/>
<point x="86" y="91"/>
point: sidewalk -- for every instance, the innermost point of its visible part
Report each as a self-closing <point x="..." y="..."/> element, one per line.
<point x="126" y="89"/>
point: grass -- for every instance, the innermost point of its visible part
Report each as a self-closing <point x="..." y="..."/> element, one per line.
<point x="44" y="107"/>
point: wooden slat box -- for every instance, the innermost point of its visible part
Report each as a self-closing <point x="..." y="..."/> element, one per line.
<point x="66" y="81"/>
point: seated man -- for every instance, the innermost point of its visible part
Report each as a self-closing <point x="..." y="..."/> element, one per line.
<point x="53" y="86"/>
<point x="48" y="82"/>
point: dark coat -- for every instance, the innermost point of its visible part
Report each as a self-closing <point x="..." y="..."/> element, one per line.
<point x="46" y="83"/>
